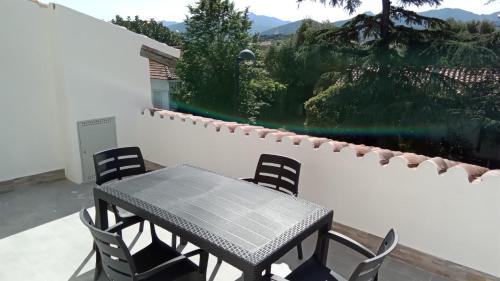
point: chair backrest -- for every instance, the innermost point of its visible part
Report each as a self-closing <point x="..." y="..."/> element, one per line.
<point x="278" y="172"/>
<point x="117" y="163"/>
<point x="115" y="256"/>
<point x="368" y="269"/>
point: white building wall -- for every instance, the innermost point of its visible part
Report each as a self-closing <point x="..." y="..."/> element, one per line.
<point x="58" y="67"/>
<point x="29" y="142"/>
<point x="441" y="214"/>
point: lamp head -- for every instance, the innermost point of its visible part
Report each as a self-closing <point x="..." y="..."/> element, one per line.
<point x="246" y="55"/>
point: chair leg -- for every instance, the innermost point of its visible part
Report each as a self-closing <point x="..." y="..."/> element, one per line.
<point x="267" y="272"/>
<point x="204" y="264"/>
<point x="299" y="251"/>
<point x="154" y="237"/>
<point x="97" y="270"/>
<point x="216" y="269"/>
<point x="174" y="241"/>
<point x="183" y="242"/>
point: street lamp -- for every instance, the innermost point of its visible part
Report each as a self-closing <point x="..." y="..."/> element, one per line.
<point x="245" y="55"/>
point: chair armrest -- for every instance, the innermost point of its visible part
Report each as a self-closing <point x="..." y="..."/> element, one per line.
<point x="194" y="253"/>
<point x="123" y="224"/>
<point x="203" y="259"/>
<point x="352" y="244"/>
<point x="159" y="268"/>
<point x="248" y="179"/>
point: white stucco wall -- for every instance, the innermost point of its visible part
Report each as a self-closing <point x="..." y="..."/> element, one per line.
<point x="28" y="112"/>
<point x="441" y="214"/>
<point x="59" y="66"/>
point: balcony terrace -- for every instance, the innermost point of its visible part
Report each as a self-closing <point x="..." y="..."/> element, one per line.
<point x="48" y="241"/>
<point x="70" y="70"/>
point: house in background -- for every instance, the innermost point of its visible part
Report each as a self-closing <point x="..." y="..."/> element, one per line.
<point x="164" y="80"/>
<point x="162" y="75"/>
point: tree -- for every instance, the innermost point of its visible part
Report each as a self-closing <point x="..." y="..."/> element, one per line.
<point x="152" y="29"/>
<point x="381" y="26"/>
<point x="215" y="34"/>
<point x="395" y="89"/>
<point x="258" y="91"/>
<point x="298" y="62"/>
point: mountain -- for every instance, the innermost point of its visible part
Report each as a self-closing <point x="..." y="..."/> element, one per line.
<point x="167" y="23"/>
<point x="175" y="26"/>
<point x="268" y="26"/>
<point x="259" y="23"/>
<point x="341" y="22"/>
<point x="286" y="29"/>
<point x="459" y="14"/>
<point x="262" y="23"/>
<point x="443" y="14"/>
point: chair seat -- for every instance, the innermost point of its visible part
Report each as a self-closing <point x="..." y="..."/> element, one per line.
<point x="159" y="252"/>
<point x="311" y="270"/>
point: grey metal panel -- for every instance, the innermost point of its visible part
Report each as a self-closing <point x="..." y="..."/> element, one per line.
<point x="93" y="136"/>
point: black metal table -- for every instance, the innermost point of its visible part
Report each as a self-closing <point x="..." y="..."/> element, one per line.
<point x="246" y="225"/>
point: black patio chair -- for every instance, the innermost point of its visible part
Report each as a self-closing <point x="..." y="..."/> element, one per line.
<point x="157" y="261"/>
<point x="312" y="270"/>
<point x="280" y="173"/>
<point x="116" y="164"/>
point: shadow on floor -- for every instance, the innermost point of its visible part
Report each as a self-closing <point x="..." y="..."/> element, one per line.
<point x="37" y="204"/>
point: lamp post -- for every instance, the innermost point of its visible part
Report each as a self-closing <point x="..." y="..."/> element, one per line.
<point x="242" y="56"/>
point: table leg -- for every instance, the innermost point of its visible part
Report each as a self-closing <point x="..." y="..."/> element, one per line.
<point x="321" y="251"/>
<point x="252" y="275"/>
<point x="101" y="222"/>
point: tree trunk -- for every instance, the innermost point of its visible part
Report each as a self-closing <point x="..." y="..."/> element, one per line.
<point x="386" y="19"/>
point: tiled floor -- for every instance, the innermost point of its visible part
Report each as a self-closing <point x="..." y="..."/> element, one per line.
<point x="41" y="238"/>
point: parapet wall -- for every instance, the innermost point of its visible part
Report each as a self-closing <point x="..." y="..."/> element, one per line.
<point x="447" y="209"/>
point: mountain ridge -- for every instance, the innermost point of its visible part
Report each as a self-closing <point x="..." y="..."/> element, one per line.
<point x="267" y="26"/>
<point x="260" y="23"/>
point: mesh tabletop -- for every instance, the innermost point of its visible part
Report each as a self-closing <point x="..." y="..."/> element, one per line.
<point x="246" y="219"/>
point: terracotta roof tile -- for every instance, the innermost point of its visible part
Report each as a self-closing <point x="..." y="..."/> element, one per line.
<point x="161" y="71"/>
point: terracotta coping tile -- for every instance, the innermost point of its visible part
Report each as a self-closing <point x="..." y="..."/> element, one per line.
<point x="297" y="139"/>
<point x="318" y="141"/>
<point x="279" y="135"/>
<point x="338" y="145"/>
<point x="264" y="132"/>
<point x="383" y="154"/>
<point x="360" y="149"/>
<point x="249" y="128"/>
<point x="414" y="159"/>
<point x="440" y="163"/>
<point x="474" y="172"/>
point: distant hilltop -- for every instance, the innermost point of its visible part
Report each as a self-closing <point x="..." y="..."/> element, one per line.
<point x="268" y="26"/>
<point x="259" y="23"/>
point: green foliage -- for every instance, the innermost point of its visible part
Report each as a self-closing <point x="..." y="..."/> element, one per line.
<point x="258" y="91"/>
<point x="298" y="62"/>
<point x="394" y="81"/>
<point x="215" y="34"/>
<point x="413" y="102"/>
<point x="152" y="29"/>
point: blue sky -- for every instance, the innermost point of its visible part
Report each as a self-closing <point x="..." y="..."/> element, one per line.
<point x="175" y="10"/>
